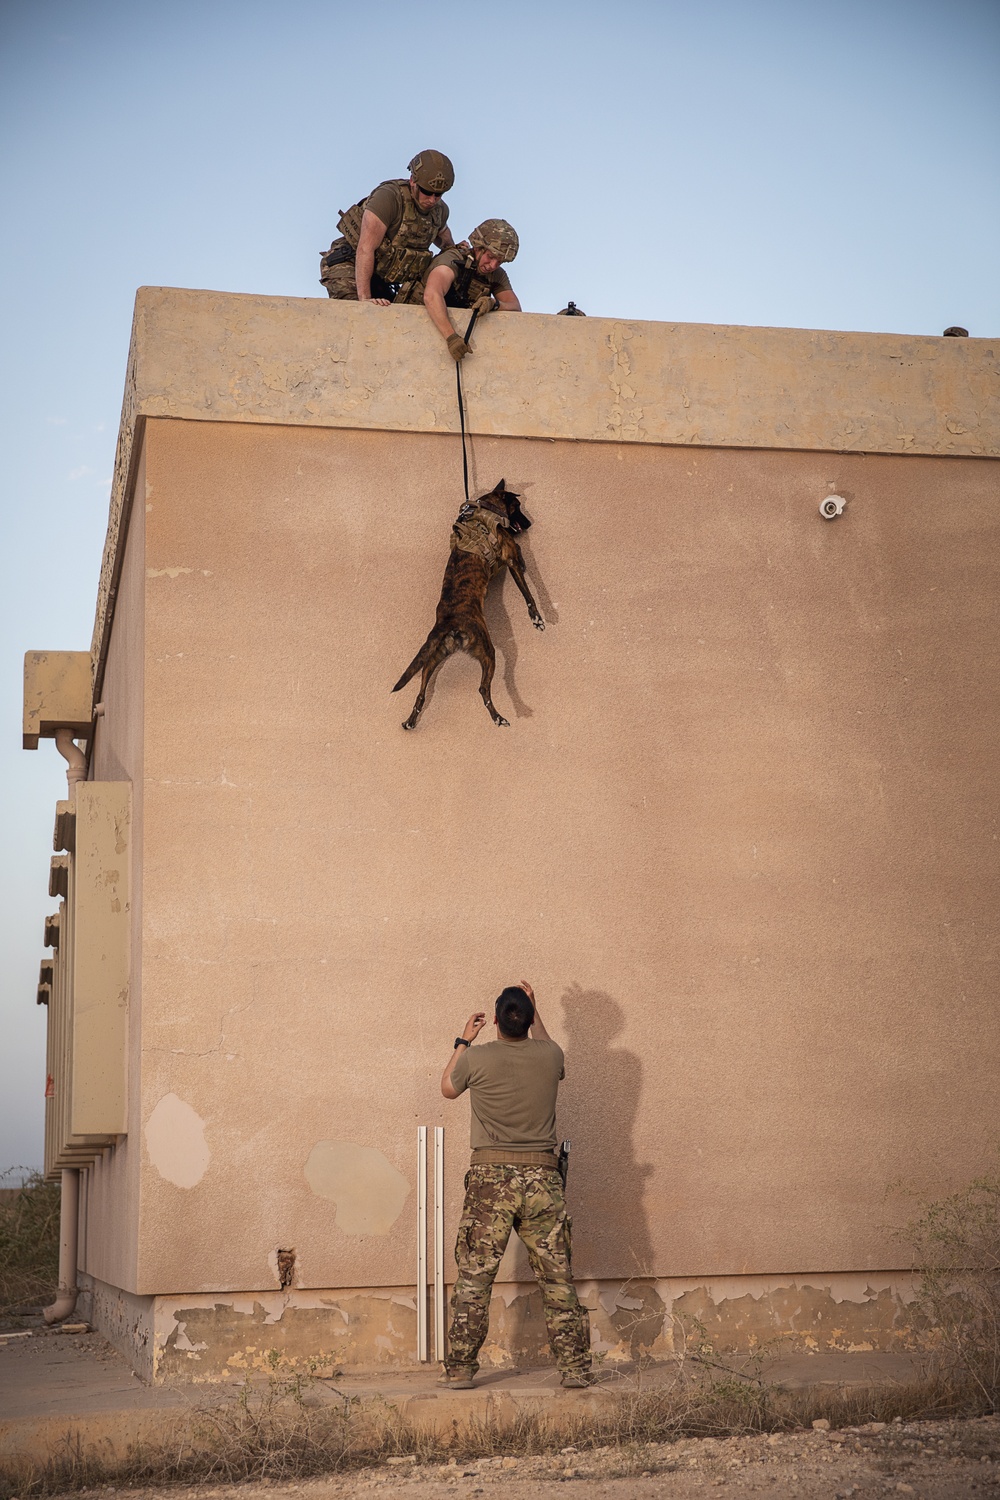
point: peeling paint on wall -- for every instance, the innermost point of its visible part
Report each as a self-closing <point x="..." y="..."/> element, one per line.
<point x="224" y="1338"/>
<point x="368" y="1190"/>
<point x="175" y="1140"/>
<point x="126" y="1320"/>
<point x="212" y="1337"/>
<point x="624" y="418"/>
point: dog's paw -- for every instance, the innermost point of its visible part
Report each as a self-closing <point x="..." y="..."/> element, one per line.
<point x="501" y="722"/>
<point x="408" y="725"/>
<point x="539" y="624"/>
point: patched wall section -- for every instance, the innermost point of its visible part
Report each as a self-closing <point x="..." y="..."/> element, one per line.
<point x="367" y="1190"/>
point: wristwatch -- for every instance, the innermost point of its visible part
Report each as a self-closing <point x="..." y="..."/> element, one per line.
<point x="461" y="1041"/>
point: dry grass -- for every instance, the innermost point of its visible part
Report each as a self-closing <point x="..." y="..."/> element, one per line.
<point x="29" y="1241"/>
<point x="956" y="1245"/>
<point x="296" y="1429"/>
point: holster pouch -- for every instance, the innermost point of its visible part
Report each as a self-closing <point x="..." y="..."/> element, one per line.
<point x="339" y="252"/>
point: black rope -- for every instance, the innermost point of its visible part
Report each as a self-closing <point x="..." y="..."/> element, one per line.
<point x="461" y="404"/>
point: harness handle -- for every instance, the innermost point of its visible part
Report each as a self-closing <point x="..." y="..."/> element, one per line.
<point x="461" y="405"/>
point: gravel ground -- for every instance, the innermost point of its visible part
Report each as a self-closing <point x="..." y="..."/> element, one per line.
<point x="929" y="1460"/>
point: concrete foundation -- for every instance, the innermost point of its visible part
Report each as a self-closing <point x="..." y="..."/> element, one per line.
<point x="204" y="1339"/>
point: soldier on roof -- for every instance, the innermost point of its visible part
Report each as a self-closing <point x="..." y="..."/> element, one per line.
<point x="471" y="275"/>
<point x="386" y="238"/>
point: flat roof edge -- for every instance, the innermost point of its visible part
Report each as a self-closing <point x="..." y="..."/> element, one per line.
<point x="296" y="361"/>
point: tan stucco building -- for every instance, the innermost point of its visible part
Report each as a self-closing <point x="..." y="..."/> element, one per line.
<point x="741" y="833"/>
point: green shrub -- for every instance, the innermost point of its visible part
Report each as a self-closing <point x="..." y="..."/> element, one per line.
<point x="29" y="1240"/>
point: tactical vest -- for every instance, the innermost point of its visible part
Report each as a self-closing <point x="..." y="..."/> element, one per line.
<point x="469" y="286"/>
<point x="407" y="255"/>
<point x="478" y="530"/>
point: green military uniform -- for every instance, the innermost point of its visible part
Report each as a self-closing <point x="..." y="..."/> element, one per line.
<point x="514" y="1184"/>
<point x="470" y="285"/>
<point x="402" y="257"/>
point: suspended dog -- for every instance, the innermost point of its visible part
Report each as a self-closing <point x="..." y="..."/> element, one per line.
<point x="482" y="544"/>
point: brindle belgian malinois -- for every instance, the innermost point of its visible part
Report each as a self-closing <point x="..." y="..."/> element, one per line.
<point x="482" y="544"/>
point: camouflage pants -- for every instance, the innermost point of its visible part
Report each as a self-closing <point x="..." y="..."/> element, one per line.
<point x="530" y="1201"/>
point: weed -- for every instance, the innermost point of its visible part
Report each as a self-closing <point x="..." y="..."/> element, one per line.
<point x="29" y="1240"/>
<point x="956" y="1245"/>
<point x="288" y="1429"/>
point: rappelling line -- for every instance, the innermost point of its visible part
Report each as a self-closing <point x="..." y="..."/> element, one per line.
<point x="461" y="404"/>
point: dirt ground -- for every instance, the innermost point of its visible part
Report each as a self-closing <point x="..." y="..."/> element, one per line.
<point x="929" y="1460"/>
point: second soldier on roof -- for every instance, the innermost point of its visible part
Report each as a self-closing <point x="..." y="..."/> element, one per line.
<point x="464" y="277"/>
<point x="386" y="237"/>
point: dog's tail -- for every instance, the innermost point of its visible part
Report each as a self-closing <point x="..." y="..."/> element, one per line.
<point x="416" y="665"/>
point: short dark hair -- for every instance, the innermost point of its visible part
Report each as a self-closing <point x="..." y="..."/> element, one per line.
<point x="514" y="1012"/>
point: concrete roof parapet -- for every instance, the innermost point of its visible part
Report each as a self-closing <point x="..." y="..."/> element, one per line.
<point x="231" y="357"/>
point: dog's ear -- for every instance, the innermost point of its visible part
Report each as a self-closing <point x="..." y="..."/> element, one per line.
<point x="501" y="488"/>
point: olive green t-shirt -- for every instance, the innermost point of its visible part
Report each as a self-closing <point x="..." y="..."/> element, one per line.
<point x="454" y="259"/>
<point x="386" y="203"/>
<point x="513" y="1087"/>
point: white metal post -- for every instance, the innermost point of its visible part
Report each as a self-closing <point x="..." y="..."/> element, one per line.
<point x="439" y="1242"/>
<point x="421" y="1243"/>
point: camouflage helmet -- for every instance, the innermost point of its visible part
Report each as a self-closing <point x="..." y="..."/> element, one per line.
<point x="432" y="171"/>
<point x="497" y="236"/>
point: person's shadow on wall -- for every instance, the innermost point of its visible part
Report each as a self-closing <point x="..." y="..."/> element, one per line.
<point x="598" y="1104"/>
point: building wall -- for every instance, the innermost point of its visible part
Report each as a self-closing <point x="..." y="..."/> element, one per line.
<point x="740" y="836"/>
<point x="109" y="1206"/>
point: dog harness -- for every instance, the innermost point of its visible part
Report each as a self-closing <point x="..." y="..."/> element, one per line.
<point x="478" y="530"/>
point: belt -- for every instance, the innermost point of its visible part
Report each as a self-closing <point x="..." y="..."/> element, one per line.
<point x="500" y="1156"/>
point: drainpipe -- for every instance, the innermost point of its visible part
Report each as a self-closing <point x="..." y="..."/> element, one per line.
<point x="76" y="761"/>
<point x="69" y="1192"/>
<point x="69" y="1203"/>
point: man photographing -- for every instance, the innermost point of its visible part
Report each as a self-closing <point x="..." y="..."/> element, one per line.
<point x="513" y="1183"/>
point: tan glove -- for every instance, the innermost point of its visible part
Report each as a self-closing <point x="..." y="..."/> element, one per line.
<point x="484" y="305"/>
<point x="457" y="347"/>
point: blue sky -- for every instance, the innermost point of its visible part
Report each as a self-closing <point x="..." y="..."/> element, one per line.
<point x="790" y="164"/>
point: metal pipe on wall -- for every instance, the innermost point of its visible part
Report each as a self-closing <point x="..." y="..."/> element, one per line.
<point x="439" y="1242"/>
<point x="69" y="1189"/>
<point x="421" y="1243"/>
<point x="76" y="761"/>
<point x="69" y="1200"/>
